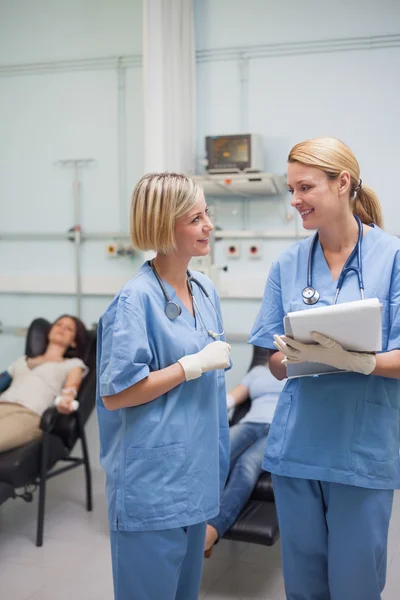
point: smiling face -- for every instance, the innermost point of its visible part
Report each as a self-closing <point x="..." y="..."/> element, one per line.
<point x="192" y="231"/>
<point x="318" y="199"/>
<point x="63" y="332"/>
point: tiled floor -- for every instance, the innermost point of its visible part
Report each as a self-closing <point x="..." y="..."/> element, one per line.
<point x="74" y="562"/>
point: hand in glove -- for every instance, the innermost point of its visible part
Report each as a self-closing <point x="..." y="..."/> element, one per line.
<point x="326" y="352"/>
<point x="213" y="356"/>
<point x="230" y="405"/>
<point x="230" y="401"/>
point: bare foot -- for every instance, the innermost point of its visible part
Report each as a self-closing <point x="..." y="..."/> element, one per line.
<point x="211" y="538"/>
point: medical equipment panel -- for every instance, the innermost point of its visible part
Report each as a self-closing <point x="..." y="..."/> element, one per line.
<point x="234" y="153"/>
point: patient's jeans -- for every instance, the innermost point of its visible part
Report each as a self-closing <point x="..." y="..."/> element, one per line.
<point x="247" y="450"/>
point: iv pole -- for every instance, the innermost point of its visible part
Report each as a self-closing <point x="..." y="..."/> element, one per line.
<point x="76" y="164"/>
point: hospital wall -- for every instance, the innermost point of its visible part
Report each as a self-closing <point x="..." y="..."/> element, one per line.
<point x="70" y="97"/>
<point x="62" y="102"/>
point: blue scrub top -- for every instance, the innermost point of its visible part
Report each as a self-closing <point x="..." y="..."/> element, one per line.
<point x="344" y="427"/>
<point x="166" y="461"/>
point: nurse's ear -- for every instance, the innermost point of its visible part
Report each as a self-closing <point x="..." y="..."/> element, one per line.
<point x="344" y="183"/>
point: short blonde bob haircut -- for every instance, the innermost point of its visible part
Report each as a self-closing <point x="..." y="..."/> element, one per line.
<point x="158" y="200"/>
<point x="333" y="156"/>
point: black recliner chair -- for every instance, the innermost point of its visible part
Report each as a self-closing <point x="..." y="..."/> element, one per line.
<point x="34" y="463"/>
<point x="258" y="522"/>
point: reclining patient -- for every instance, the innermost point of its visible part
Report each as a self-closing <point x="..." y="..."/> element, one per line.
<point x="31" y="385"/>
<point x="248" y="439"/>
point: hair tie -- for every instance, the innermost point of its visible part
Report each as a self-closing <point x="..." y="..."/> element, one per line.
<point x="356" y="189"/>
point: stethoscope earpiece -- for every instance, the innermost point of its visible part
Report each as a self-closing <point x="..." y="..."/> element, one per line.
<point x="213" y="334"/>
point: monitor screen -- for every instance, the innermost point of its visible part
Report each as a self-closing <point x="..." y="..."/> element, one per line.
<point x="229" y="151"/>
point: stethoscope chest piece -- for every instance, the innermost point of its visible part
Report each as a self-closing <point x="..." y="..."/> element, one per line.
<point x="310" y="295"/>
<point x="172" y="310"/>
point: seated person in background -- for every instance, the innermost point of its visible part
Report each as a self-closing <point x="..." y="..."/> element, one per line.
<point x="31" y="385"/>
<point x="248" y="439"/>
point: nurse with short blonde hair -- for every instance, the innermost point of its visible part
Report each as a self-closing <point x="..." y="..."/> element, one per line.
<point x="161" y="398"/>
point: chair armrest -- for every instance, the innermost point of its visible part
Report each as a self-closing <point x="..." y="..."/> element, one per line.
<point x="68" y="426"/>
<point x="65" y="426"/>
<point x="49" y="418"/>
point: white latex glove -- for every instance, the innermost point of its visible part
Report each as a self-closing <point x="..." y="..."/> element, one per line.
<point x="326" y="352"/>
<point x="211" y="357"/>
<point x="230" y="401"/>
<point x="230" y="405"/>
<point x="66" y="405"/>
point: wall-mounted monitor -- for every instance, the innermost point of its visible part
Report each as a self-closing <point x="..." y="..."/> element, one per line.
<point x="234" y="153"/>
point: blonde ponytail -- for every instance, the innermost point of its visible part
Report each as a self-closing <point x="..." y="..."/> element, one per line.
<point x="367" y="206"/>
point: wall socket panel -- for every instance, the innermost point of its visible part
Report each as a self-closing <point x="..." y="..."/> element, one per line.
<point x="115" y="250"/>
<point x="232" y="250"/>
<point x="254" y="250"/>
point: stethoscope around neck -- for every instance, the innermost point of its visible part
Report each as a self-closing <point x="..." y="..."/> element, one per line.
<point x="173" y="310"/>
<point x="311" y="295"/>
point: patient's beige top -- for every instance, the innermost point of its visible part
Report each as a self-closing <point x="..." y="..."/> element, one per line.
<point x="37" y="388"/>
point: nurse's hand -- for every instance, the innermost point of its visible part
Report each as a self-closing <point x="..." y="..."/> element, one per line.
<point x="213" y="356"/>
<point x="326" y="352"/>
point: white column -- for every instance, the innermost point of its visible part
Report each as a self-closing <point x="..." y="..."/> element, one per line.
<point x="169" y="63"/>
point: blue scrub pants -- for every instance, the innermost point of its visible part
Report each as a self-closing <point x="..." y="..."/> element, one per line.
<point x="334" y="539"/>
<point x="158" y="565"/>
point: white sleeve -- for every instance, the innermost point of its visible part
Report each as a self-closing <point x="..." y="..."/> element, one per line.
<point x="12" y="367"/>
<point x="72" y="363"/>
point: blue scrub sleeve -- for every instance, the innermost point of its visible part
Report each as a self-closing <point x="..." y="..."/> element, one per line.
<point x="125" y="354"/>
<point x="5" y="381"/>
<point x="270" y="318"/>
<point x="394" y="306"/>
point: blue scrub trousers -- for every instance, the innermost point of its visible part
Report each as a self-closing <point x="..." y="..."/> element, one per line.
<point x="334" y="539"/>
<point x="158" y="565"/>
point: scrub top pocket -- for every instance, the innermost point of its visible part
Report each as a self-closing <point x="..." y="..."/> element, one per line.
<point x="277" y="431"/>
<point x="375" y="448"/>
<point x="155" y="482"/>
